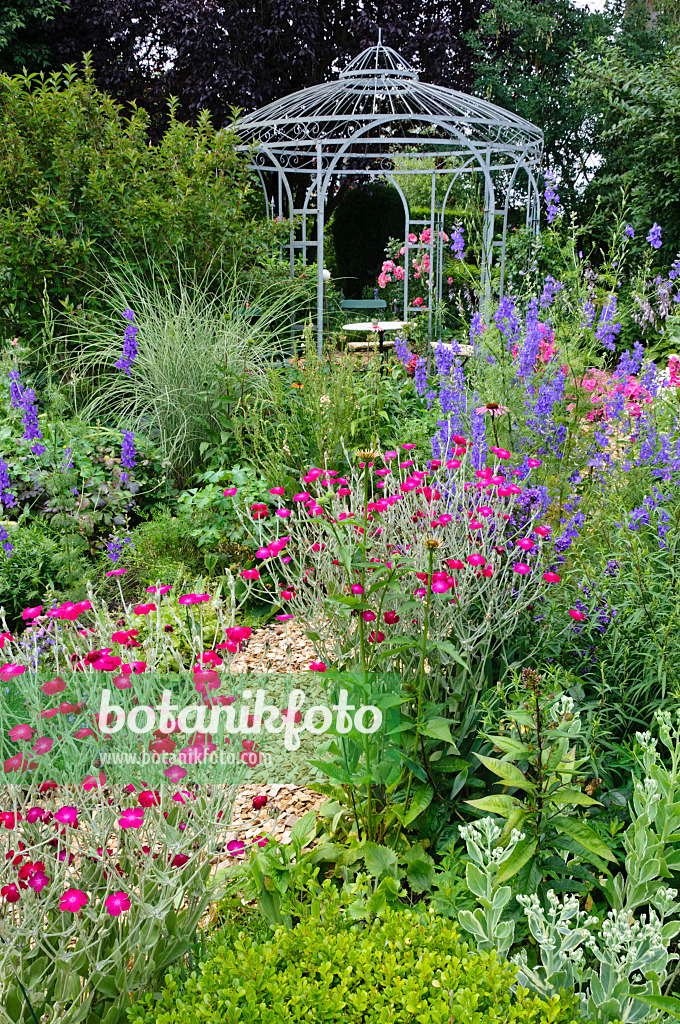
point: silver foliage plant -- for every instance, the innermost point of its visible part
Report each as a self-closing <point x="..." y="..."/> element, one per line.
<point x="350" y="553"/>
<point x="612" y="967"/>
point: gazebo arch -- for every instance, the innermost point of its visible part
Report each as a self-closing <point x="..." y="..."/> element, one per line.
<point x="376" y="113"/>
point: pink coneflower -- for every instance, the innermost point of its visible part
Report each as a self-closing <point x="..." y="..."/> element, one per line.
<point x="493" y="409"/>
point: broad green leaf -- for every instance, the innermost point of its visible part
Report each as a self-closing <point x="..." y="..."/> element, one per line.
<point x="380" y="860"/>
<point x="304" y="828"/>
<point x="510" y="746"/>
<point x="501" y="804"/>
<point x="422" y="797"/>
<point x="449" y="764"/>
<point x="584" y="835"/>
<point x="438" y="729"/>
<point x="509" y="773"/>
<point x="669" y="1004"/>
<point x="575" y="797"/>
<point x="448" y="648"/>
<point x="419" y="875"/>
<point x="521" y="854"/>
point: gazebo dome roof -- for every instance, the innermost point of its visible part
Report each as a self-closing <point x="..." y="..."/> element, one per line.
<point x="379" y="94"/>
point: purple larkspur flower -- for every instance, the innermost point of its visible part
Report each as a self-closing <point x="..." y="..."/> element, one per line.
<point x="588" y="314"/>
<point x="552" y="200"/>
<point x="654" y="236"/>
<point x="532" y="341"/>
<point x="445" y="357"/>
<point x="6" y="497"/>
<point x="477" y="327"/>
<point x="24" y="399"/>
<point x="129" y="353"/>
<point x="401" y="348"/>
<point x="506" y="321"/>
<point x="420" y="376"/>
<point x="127" y="453"/>
<point x="551" y="287"/>
<point x="629" y="231"/>
<point x="458" y="242"/>
<point x="607" y="328"/>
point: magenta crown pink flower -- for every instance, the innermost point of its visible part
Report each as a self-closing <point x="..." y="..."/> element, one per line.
<point x="43" y="745"/>
<point x="10" y="670"/>
<point x="31" y="613"/>
<point x="20" y="732"/>
<point x="117" y="903"/>
<point x="575" y="614"/>
<point x="551" y="577"/>
<point x="317" y="666"/>
<point x="522" y="568"/>
<point x="175" y="773"/>
<point x="525" y="543"/>
<point x="73" y="901"/>
<point x="144" y="609"/>
<point x="132" y="817"/>
<point x="116" y="572"/>
<point x="229" y="492"/>
<point x="67" y="816"/>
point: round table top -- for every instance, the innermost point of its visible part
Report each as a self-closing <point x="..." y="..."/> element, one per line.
<point x="380" y="325"/>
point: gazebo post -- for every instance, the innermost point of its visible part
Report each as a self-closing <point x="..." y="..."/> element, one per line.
<point x="320" y="221"/>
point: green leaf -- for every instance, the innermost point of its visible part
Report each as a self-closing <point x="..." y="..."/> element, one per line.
<point x="379" y="860"/>
<point x="501" y="804"/>
<point x="669" y="1004"/>
<point x="304" y="828"/>
<point x="584" y="835"/>
<point x="438" y="729"/>
<point x="449" y="764"/>
<point x="509" y="773"/>
<point x="448" y="648"/>
<point x="573" y="797"/>
<point x="422" y="798"/>
<point x="417" y="769"/>
<point x="419" y="875"/>
<point x="521" y="855"/>
<point x="510" y="746"/>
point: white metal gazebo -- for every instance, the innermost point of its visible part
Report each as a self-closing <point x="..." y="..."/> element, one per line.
<point x="377" y="120"/>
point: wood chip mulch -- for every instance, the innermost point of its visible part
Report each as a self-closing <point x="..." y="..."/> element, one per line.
<point x="278" y="647"/>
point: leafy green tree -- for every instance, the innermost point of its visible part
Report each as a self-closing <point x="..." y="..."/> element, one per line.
<point x="23" y="43"/>
<point x="524" y="52"/>
<point x="632" y="88"/>
<point x="81" y="189"/>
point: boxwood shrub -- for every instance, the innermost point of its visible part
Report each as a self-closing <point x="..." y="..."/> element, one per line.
<point x="400" y="969"/>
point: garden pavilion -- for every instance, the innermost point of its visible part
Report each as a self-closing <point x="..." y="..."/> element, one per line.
<point x="377" y="120"/>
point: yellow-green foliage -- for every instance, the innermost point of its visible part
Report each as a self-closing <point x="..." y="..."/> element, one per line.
<point x="397" y="970"/>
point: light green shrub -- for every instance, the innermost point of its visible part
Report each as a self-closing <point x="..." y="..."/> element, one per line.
<point x="397" y="970"/>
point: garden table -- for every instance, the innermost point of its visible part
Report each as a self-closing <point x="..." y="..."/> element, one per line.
<point x="378" y="327"/>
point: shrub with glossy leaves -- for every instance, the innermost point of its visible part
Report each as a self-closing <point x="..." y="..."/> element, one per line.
<point x="399" y="969"/>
